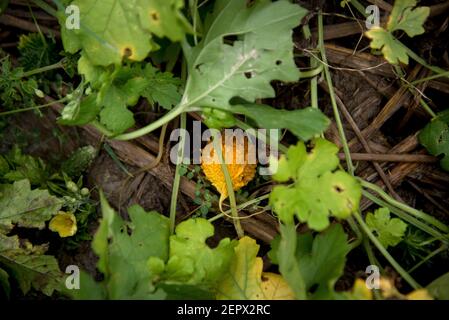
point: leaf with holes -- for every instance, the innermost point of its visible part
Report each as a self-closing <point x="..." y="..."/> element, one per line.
<point x="111" y="30"/>
<point x="319" y="189"/>
<point x="29" y="266"/>
<point x="389" y="231"/>
<point x="435" y="137"/>
<point x="246" y="46"/>
<point x="27" y="208"/>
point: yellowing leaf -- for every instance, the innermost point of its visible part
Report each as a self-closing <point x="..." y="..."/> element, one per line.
<point x="111" y="30"/>
<point x="274" y="287"/>
<point x="245" y="281"/>
<point x="360" y="291"/>
<point x="63" y="223"/>
<point x="419" y="294"/>
<point x="236" y="156"/>
<point x="393" y="51"/>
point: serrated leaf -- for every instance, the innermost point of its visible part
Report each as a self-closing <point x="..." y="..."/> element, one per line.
<point x="263" y="51"/>
<point x="124" y="249"/>
<point x="189" y="244"/>
<point x="312" y="263"/>
<point x="319" y="189"/>
<point x="114" y="29"/>
<point x="304" y="123"/>
<point x="393" y="51"/>
<point x="404" y="16"/>
<point x="28" y="265"/>
<point x="243" y="279"/>
<point x="161" y="87"/>
<point x="435" y="138"/>
<point x="25" y="167"/>
<point x="25" y="207"/>
<point x="389" y="231"/>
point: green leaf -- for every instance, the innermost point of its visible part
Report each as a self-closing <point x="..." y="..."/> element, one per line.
<point x="319" y="189"/>
<point x="114" y="29"/>
<point x="28" y="265"/>
<point x="393" y="50"/>
<point x="161" y="87"/>
<point x="25" y="207"/>
<point x="312" y="265"/>
<point x="77" y="113"/>
<point x="435" y="138"/>
<point x="439" y="288"/>
<point x="284" y="253"/>
<point x="389" y="231"/>
<point x="207" y="265"/>
<point x="407" y="18"/>
<point x="124" y="249"/>
<point x="25" y="167"/>
<point x="403" y="17"/>
<point x="243" y="279"/>
<point x="220" y="70"/>
<point x="4" y="283"/>
<point x="304" y="123"/>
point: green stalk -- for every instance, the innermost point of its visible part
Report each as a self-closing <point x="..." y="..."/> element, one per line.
<point x="263" y="138"/>
<point x="177" y="179"/>
<point x="154" y="125"/>
<point x="358" y="233"/>
<point x="428" y="257"/>
<point x="332" y="95"/>
<point x="412" y="211"/>
<point x="217" y="146"/>
<point x="54" y="66"/>
<point x="435" y="76"/>
<point x="240" y="207"/>
<point x="385" y="253"/>
<point x="46" y="7"/>
<point x="414" y="56"/>
<point x="33" y="108"/>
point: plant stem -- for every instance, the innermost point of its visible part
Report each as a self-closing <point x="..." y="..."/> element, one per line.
<point x="154" y="125"/>
<point x="358" y="233"/>
<point x="32" y="108"/>
<point x="224" y="168"/>
<point x="177" y="179"/>
<point x="414" y="212"/>
<point x="414" y="56"/>
<point x="312" y="72"/>
<point x="385" y="253"/>
<point x="56" y="65"/>
<point x="428" y="257"/>
<point x="435" y="76"/>
<point x="239" y="207"/>
<point x="46" y="7"/>
<point x="263" y="138"/>
<point x="332" y="95"/>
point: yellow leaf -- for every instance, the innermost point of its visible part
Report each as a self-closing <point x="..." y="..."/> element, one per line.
<point x="63" y="223"/>
<point x="236" y="154"/>
<point x="360" y="291"/>
<point x="245" y="281"/>
<point x="420" y="294"/>
<point x="274" y="287"/>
